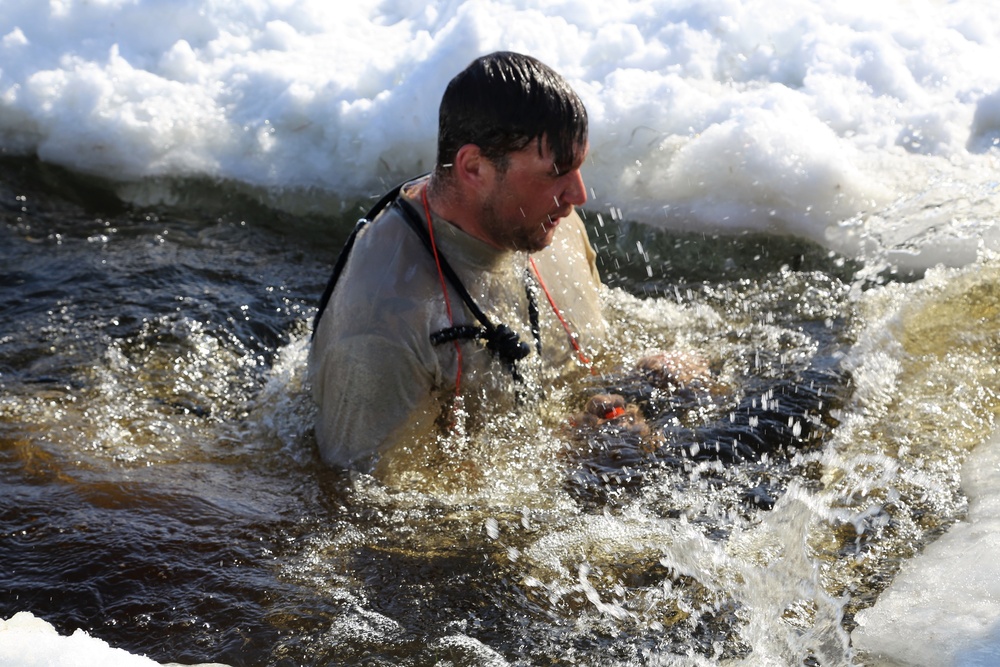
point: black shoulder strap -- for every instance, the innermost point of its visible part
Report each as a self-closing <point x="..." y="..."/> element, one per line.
<point x="338" y="268"/>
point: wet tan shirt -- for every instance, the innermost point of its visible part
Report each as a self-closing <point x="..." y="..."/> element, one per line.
<point x="375" y="374"/>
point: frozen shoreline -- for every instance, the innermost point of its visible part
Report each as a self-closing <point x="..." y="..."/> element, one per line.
<point x="28" y="641"/>
<point x="949" y="594"/>
<point x="825" y="122"/>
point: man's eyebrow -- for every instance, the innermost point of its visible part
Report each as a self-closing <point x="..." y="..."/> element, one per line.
<point x="575" y="161"/>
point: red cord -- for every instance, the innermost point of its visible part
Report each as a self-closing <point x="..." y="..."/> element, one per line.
<point x="444" y="288"/>
<point x="572" y="339"/>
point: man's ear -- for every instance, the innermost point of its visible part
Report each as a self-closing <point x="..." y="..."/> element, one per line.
<point x="471" y="167"/>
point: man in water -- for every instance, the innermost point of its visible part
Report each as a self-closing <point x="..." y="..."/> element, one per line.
<point x="407" y="350"/>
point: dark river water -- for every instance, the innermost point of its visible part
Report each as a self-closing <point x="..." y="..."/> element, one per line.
<point x="160" y="488"/>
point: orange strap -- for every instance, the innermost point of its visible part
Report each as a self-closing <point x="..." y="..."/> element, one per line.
<point x="569" y="332"/>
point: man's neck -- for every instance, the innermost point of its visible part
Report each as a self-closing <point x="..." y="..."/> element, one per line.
<point x="444" y="201"/>
<point x="451" y="204"/>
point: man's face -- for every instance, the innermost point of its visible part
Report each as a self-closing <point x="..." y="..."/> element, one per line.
<point x="526" y="201"/>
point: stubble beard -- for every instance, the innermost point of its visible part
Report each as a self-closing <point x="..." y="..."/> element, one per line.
<point x="513" y="234"/>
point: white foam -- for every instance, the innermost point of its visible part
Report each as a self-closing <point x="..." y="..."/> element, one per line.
<point x="787" y="115"/>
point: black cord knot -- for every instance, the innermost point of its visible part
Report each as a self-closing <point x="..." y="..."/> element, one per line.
<point x="506" y="344"/>
<point x="501" y="340"/>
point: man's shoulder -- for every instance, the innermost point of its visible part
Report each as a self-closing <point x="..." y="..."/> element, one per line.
<point x="387" y="253"/>
<point x="385" y="285"/>
<point x="387" y="229"/>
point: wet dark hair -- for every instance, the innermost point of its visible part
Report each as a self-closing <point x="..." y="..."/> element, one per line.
<point x="501" y="103"/>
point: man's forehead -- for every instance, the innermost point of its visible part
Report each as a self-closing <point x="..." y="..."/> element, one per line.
<point x="572" y="161"/>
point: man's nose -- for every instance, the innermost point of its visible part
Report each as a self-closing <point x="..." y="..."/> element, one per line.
<point x="575" y="192"/>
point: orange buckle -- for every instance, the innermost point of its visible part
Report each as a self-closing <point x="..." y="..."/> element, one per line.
<point x="614" y="412"/>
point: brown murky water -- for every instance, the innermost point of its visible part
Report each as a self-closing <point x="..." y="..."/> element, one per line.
<point x="160" y="489"/>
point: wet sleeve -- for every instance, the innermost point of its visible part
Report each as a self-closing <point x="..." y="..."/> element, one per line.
<point x="368" y="390"/>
